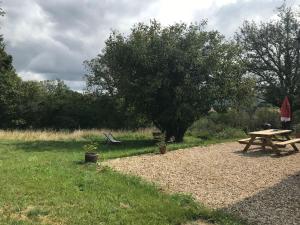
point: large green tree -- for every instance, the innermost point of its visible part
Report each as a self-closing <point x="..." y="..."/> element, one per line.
<point x="166" y="73"/>
<point x="271" y="53"/>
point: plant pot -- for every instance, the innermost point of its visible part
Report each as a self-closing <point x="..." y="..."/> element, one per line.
<point x="91" y="157"/>
<point x="162" y="149"/>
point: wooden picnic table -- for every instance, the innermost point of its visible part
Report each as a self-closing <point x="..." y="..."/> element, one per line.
<point x="270" y="138"/>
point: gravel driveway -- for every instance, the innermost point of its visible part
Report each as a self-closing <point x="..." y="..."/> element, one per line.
<point x="257" y="185"/>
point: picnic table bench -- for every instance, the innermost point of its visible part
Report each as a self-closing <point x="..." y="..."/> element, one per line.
<point x="270" y="138"/>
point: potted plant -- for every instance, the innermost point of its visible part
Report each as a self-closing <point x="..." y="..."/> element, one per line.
<point x="297" y="130"/>
<point x="90" y="152"/>
<point x="162" y="146"/>
<point x="156" y="135"/>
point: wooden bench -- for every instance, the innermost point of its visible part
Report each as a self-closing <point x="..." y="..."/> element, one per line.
<point x="246" y="140"/>
<point x="282" y="144"/>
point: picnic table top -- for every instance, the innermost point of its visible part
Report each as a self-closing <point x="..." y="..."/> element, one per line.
<point x="270" y="132"/>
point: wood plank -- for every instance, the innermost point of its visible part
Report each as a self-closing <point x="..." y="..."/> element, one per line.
<point x="253" y="143"/>
<point x="242" y="141"/>
<point x="288" y="142"/>
<point x="277" y="143"/>
<point x="246" y="139"/>
<point x="270" y="132"/>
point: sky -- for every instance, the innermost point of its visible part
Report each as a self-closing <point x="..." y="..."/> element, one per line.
<point x="50" y="39"/>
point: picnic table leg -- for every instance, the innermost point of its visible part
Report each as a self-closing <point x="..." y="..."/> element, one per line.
<point x="293" y="145"/>
<point x="264" y="143"/>
<point x="274" y="147"/>
<point x="249" y="144"/>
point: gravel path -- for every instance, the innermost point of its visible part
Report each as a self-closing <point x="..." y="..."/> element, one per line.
<point x="257" y="186"/>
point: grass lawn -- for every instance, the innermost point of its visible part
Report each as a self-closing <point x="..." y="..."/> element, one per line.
<point x="43" y="181"/>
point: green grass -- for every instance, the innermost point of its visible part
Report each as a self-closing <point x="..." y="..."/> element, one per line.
<point x="46" y="182"/>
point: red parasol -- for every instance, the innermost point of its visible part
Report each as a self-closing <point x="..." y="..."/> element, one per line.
<point x="285" y="110"/>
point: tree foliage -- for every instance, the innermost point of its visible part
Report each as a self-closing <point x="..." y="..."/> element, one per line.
<point x="9" y="88"/>
<point x="170" y="74"/>
<point x="231" y="88"/>
<point x="272" y="55"/>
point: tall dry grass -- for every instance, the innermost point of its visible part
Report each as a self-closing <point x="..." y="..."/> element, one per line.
<point x="47" y="135"/>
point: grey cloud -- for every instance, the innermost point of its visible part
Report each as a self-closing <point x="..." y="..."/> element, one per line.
<point x="76" y="85"/>
<point x="76" y="32"/>
<point x="228" y="18"/>
<point x="52" y="38"/>
<point x="73" y="44"/>
<point x="69" y="15"/>
<point x="51" y="59"/>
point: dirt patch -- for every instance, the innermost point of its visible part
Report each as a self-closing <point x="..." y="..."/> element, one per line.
<point x="29" y="214"/>
<point x="257" y="185"/>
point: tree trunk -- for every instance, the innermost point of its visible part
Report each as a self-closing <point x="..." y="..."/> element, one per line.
<point x="176" y="132"/>
<point x="180" y="134"/>
<point x="169" y="135"/>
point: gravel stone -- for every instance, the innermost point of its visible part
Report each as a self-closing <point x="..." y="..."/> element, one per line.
<point x="257" y="186"/>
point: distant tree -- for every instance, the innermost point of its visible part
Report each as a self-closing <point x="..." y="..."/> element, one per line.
<point x="32" y="101"/>
<point x="51" y="104"/>
<point x="57" y="113"/>
<point x="271" y="54"/>
<point x="9" y="88"/>
<point x="231" y="88"/>
<point x="167" y="74"/>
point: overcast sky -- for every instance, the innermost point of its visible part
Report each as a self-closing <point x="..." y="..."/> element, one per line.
<point x="50" y="39"/>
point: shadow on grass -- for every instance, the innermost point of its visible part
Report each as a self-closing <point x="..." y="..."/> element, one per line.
<point x="79" y="162"/>
<point x="77" y="146"/>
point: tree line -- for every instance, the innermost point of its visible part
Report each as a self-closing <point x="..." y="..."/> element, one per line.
<point x="163" y="76"/>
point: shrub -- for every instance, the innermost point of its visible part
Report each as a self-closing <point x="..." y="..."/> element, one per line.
<point x="230" y="132"/>
<point x="91" y="147"/>
<point x="296" y="117"/>
<point x="233" y="123"/>
<point x="205" y="128"/>
<point x="266" y="115"/>
<point x="296" y="127"/>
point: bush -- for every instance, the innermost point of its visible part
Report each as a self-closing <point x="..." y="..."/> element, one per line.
<point x="296" y="128"/>
<point x="233" y="123"/>
<point x="232" y="118"/>
<point x="296" y="117"/>
<point x="230" y="132"/>
<point x="205" y="128"/>
<point x="263" y="115"/>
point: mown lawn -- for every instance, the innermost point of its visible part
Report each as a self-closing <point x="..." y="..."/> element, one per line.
<point x="46" y="182"/>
